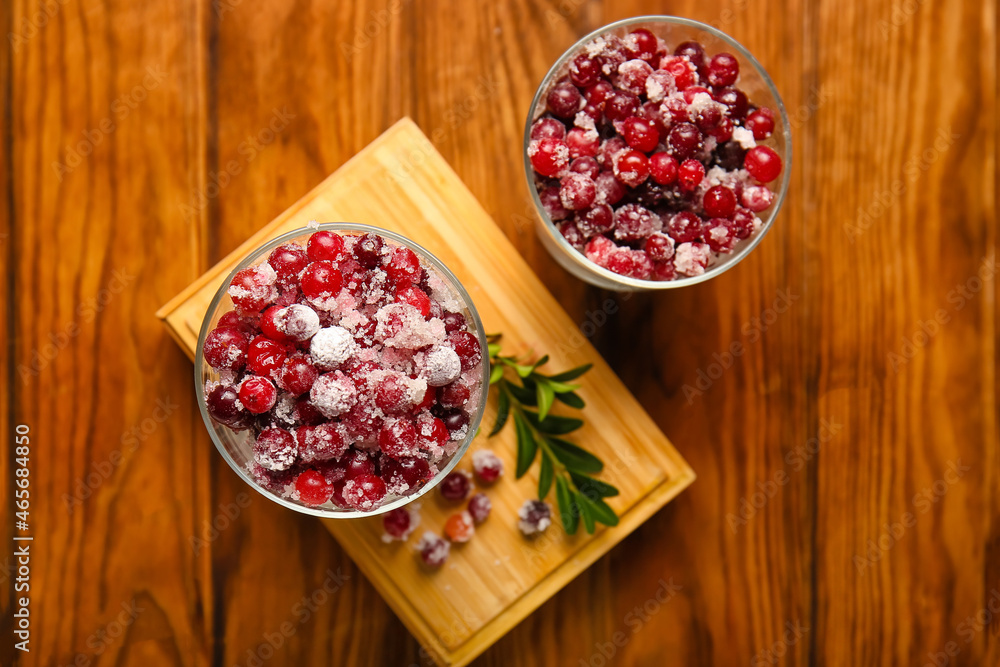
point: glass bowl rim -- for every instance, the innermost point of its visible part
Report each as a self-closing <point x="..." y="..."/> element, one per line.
<point x="250" y="260"/>
<point x="638" y="284"/>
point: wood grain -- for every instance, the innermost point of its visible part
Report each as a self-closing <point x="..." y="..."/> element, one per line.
<point x="873" y="88"/>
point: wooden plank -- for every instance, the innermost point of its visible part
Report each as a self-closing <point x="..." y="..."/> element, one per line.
<point x="511" y="577"/>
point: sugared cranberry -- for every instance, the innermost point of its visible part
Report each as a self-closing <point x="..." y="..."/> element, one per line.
<point x="631" y="263"/>
<point x="718" y="235"/>
<point x="275" y="449"/>
<point x="487" y="466"/>
<point x="398" y="523"/>
<point x="585" y="165"/>
<point x="693" y="51"/>
<point x="564" y="100"/>
<point x="288" y="260"/>
<point x="270" y="324"/>
<point x="640" y="134"/>
<point x="735" y="100"/>
<point x="297" y="374"/>
<point x="454" y="395"/>
<point x="433" y="550"/>
<point x="392" y="396"/>
<point x="584" y="71"/>
<point x="723" y="69"/>
<point x="416" y="297"/>
<point x="265" y="356"/>
<point x="577" y="192"/>
<point x="582" y="142"/>
<point x="313" y="488"/>
<point x="690" y="173"/>
<point x="763" y="163"/>
<point x="682" y="70"/>
<point x="631" y="168"/>
<point x="599" y="250"/>
<point x="405" y="473"/>
<point x="253" y="288"/>
<point x="663" y="168"/>
<point x="723" y="131"/>
<point x="761" y="123"/>
<point x="621" y="105"/>
<point x="552" y="203"/>
<point x="432" y="432"/>
<point x="691" y="259"/>
<point x="757" y="198"/>
<point x="398" y="438"/>
<point x="403" y="267"/>
<point x="224" y="406"/>
<point x="321" y="279"/>
<point x="609" y="190"/>
<point x="599" y="93"/>
<point x="548" y="156"/>
<point x="479" y="507"/>
<point x="357" y="463"/>
<point x="684" y="226"/>
<point x="258" y="394"/>
<point x="742" y="223"/>
<point x="455" y="486"/>
<point x="548" y="128"/>
<point x="459" y="527"/>
<point x="364" y="492"/>
<point x="684" y="140"/>
<point x="467" y="347"/>
<point x="659" y="247"/>
<point x="225" y="349"/>
<point x="595" y="220"/>
<point x="454" y="322"/>
<point x="634" y="222"/>
<point x="322" y="442"/>
<point x="719" y="202"/>
<point x="664" y="270"/>
<point x="535" y="516"/>
<point x="632" y="75"/>
<point x="298" y="322"/>
<point x="368" y="251"/>
<point x="325" y="245"/>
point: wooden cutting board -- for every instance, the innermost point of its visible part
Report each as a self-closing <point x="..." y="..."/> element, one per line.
<point x="489" y="585"/>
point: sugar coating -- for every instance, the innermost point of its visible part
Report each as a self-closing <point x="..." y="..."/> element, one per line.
<point x="401" y="325"/>
<point x="299" y="322"/>
<point x="333" y="394"/>
<point x="331" y="346"/>
<point x="441" y="366"/>
<point x="528" y="527"/>
<point x="265" y="290"/>
<point x="692" y="258"/>
<point x="433" y="549"/>
<point x="272" y="456"/>
<point x="744" y="137"/>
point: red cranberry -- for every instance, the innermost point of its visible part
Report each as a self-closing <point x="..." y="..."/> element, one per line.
<point x="270" y="324"/>
<point x="455" y="486"/>
<point x="761" y="123"/>
<point x="224" y="406"/>
<point x="454" y="322"/>
<point x="742" y="223"/>
<point x="552" y="203"/>
<point x="453" y="395"/>
<point x="288" y="260"/>
<point x="684" y="140"/>
<point x="230" y="319"/>
<point x="723" y="132"/>
<point x="762" y="163"/>
<point x="663" y="168"/>
<point x="609" y="151"/>
<point x="416" y="297"/>
<point x="641" y="134"/>
<point x="405" y="473"/>
<point x="397" y="523"/>
<point x="690" y="174"/>
<point x="631" y="263"/>
<point x="719" y="202"/>
<point x="392" y="396"/>
<point x="634" y="222"/>
<point x="584" y="71"/>
<point x="325" y="245"/>
<point x="664" y="270"/>
<point x="306" y="412"/>
<point x="548" y="156"/>
<point x="404" y="267"/>
<point x="398" y="439"/>
<point x="599" y="250"/>
<point x="682" y="70"/>
<point x="357" y="463"/>
<point x="632" y="75"/>
<point x="368" y="251"/>
<point x="631" y="168"/>
<point x="577" y="192"/>
<point x="467" y="347"/>
<point x="297" y="374"/>
<point x="609" y="189"/>
<point x="684" y="226"/>
<point x="265" y="356"/>
<point x="621" y="105"/>
<point x="258" y="394"/>
<point x="252" y="289"/>
<point x="723" y="69"/>
<point x="596" y="220"/>
<point x="640" y="43"/>
<point x="564" y="100"/>
<point x="582" y="142"/>
<point x="585" y="165"/>
<point x="432" y="431"/>
<point x="735" y="100"/>
<point x="659" y="247"/>
<point x="364" y="492"/>
<point x="718" y="235"/>
<point x="275" y="449"/>
<point x="313" y="488"/>
<point x="225" y="349"/>
<point x="548" y="128"/>
<point x="321" y="279"/>
<point x="599" y="93"/>
<point x="479" y="507"/>
<point x="487" y="466"/>
<point x="693" y="51"/>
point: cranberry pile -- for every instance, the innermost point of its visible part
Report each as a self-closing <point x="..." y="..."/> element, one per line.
<point x="647" y="160"/>
<point x="351" y="365"/>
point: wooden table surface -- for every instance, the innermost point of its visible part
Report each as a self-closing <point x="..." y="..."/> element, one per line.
<point x="845" y="511"/>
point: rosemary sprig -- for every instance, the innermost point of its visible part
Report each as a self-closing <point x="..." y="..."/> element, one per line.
<point x="529" y="396"/>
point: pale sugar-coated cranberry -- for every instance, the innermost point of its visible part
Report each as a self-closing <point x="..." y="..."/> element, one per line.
<point x="612" y="55"/>
<point x="398" y="438"/>
<point x="479" y="507"/>
<point x="548" y="128"/>
<point x="552" y="203"/>
<point x="719" y="202"/>
<point x="621" y="105"/>
<point x="288" y="260"/>
<point x="415" y="297"/>
<point x="224" y="406"/>
<point x="265" y="356"/>
<point x="585" y="165"/>
<point x="718" y="235"/>
<point x="690" y="174"/>
<point x="631" y="168"/>
<point x="225" y="349"/>
<point x="693" y="51"/>
<point x="252" y="289"/>
<point x="691" y="91"/>
<point x="659" y="247"/>
<point x="297" y="374"/>
<point x="609" y="189"/>
<point x="403" y="267"/>
<point x="641" y="134"/>
<point x="454" y="395"/>
<point x="634" y="222"/>
<point x="459" y="527"/>
<point x="659" y="84"/>
<point x="595" y="220"/>
<point x="397" y="523"/>
<point x="763" y="163"/>
<point x="405" y="473"/>
<point x="325" y="245"/>
<point x="742" y="223"/>
<point x="322" y="442"/>
<point x="675" y="110"/>
<point x="663" y="168"/>
<point x="584" y="71"/>
<point x="598" y="93"/>
<point x="684" y="226"/>
<point x="757" y="198"/>
<point x="684" y="140"/>
<point x="321" y="279"/>
<point x="455" y="486"/>
<point x="761" y="123"/>
<point x="564" y="100"/>
<point x="535" y="516"/>
<point x="640" y="43"/>
<point x="691" y="259"/>
<point x="683" y="71"/>
<point x="548" y="156"/>
<point x="632" y="75"/>
<point x="433" y="550"/>
<point x="313" y="488"/>
<point x="723" y="69"/>
<point x="577" y="191"/>
<point x="258" y="394"/>
<point x="736" y="102"/>
<point x="487" y="466"/>
<point x="364" y="492"/>
<point x="275" y="449"/>
<point x="368" y="250"/>
<point x="299" y="322"/>
<point x="582" y="142"/>
<point x="708" y="117"/>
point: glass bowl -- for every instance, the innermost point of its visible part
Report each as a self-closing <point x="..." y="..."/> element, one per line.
<point x="753" y="80"/>
<point x="235" y="446"/>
